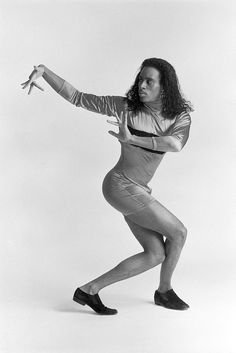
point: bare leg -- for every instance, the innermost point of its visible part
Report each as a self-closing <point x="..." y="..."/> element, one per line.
<point x="157" y="218"/>
<point x="173" y="250"/>
<point x="153" y="254"/>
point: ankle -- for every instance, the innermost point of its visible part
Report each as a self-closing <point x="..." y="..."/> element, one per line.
<point x="164" y="289"/>
<point x="89" y="289"/>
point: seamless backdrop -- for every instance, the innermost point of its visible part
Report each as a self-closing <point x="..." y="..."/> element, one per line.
<point x="57" y="231"/>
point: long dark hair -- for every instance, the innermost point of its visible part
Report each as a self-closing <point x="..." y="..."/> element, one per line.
<point x="173" y="102"/>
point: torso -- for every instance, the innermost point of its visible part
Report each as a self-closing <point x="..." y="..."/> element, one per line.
<point x="135" y="163"/>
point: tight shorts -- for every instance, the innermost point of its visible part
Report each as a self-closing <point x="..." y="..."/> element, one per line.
<point x="124" y="195"/>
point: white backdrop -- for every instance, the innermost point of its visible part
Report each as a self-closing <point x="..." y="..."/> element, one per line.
<point x="57" y="231"/>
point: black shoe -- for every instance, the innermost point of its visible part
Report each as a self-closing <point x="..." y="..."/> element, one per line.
<point x="93" y="301"/>
<point x="170" y="300"/>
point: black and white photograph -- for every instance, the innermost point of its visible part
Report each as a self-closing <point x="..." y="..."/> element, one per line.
<point x="117" y="213"/>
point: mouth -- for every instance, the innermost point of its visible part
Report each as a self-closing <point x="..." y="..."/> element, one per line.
<point x="142" y="94"/>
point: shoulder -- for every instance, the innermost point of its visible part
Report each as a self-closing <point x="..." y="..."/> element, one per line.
<point x="183" y="117"/>
<point x="119" y="102"/>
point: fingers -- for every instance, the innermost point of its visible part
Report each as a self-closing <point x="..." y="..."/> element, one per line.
<point x="36" y="73"/>
<point x="25" y="84"/>
<point x="31" y="87"/>
<point x="32" y="76"/>
<point x="118" y="118"/>
<point x="22" y="84"/>
<point x="122" y="119"/>
<point x="113" y="122"/>
<point x="113" y="134"/>
<point x="32" y="84"/>
<point x="36" y="85"/>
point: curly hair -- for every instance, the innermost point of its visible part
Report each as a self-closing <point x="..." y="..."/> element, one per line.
<point x="173" y="102"/>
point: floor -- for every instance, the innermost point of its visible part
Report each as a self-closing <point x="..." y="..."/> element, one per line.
<point x="51" y="322"/>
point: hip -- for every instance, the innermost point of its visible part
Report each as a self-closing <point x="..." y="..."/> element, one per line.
<point x="118" y="179"/>
<point x="124" y="194"/>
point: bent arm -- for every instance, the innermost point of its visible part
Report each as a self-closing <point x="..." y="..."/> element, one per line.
<point x="160" y="143"/>
<point x="106" y="105"/>
<point x="174" y="140"/>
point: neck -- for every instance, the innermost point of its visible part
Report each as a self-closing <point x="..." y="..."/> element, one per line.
<point x="157" y="105"/>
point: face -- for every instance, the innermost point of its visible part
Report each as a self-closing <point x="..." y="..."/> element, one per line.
<point x="149" y="85"/>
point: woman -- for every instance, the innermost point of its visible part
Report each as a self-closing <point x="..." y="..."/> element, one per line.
<point x="152" y="119"/>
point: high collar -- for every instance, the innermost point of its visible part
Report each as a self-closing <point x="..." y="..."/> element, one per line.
<point x="155" y="106"/>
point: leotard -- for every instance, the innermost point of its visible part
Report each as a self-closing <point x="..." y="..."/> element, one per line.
<point x="125" y="186"/>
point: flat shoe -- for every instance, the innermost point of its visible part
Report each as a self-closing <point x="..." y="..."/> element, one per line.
<point x="93" y="301"/>
<point x="170" y="300"/>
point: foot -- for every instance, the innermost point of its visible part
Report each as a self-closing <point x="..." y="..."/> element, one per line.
<point x="169" y="300"/>
<point x="93" y="301"/>
<point x="88" y="289"/>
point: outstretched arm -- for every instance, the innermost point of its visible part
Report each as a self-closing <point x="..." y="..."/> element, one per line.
<point x="106" y="105"/>
<point x="55" y="81"/>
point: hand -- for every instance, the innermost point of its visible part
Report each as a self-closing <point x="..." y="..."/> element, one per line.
<point x="35" y="74"/>
<point x="124" y="135"/>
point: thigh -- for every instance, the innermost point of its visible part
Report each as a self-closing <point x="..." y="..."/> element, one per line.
<point x="124" y="195"/>
<point x="157" y="218"/>
<point x="150" y="240"/>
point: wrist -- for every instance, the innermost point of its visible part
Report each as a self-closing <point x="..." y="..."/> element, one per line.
<point x="131" y="140"/>
<point x="42" y="68"/>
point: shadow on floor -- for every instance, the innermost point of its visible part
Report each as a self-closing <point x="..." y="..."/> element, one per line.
<point x="68" y="307"/>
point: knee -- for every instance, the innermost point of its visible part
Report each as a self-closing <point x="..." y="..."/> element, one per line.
<point x="178" y="235"/>
<point x="181" y="233"/>
<point x="155" y="258"/>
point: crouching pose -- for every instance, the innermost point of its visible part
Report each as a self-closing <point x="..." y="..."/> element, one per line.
<point x="152" y="118"/>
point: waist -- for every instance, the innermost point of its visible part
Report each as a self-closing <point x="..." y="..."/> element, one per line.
<point x="129" y="178"/>
<point x="138" y="164"/>
<point x="140" y="173"/>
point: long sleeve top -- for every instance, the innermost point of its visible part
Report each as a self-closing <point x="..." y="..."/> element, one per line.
<point x="138" y="163"/>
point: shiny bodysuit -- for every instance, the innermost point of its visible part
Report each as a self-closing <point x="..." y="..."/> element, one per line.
<point x="125" y="186"/>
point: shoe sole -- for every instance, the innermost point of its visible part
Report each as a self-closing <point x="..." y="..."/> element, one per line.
<point x="166" y="307"/>
<point x="77" y="300"/>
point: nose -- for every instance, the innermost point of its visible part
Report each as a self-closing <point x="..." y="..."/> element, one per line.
<point x="142" y="85"/>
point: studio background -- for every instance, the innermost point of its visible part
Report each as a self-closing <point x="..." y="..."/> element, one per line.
<point x="57" y="230"/>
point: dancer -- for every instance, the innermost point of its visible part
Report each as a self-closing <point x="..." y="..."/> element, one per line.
<point x="153" y="118"/>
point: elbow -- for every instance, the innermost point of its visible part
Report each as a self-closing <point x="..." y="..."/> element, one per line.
<point x="176" y="146"/>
